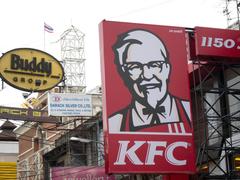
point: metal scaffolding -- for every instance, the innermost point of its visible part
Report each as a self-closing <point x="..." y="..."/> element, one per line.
<point x="217" y="118"/>
<point x="72" y="54"/>
<point x="31" y="168"/>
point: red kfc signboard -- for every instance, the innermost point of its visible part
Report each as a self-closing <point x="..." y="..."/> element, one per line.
<point x="146" y="99"/>
<point x="217" y="43"/>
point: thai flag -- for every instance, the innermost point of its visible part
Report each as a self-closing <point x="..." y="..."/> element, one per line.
<point x="48" y="28"/>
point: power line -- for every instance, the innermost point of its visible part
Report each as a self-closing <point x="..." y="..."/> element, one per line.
<point x="144" y="8"/>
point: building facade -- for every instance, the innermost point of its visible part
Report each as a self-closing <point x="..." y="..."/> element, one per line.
<point x="37" y="139"/>
<point x="8" y="151"/>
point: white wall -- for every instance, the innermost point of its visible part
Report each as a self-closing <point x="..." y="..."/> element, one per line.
<point x="8" y="157"/>
<point x="9" y="147"/>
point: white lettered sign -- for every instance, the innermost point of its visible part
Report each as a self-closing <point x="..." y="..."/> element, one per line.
<point x="69" y="104"/>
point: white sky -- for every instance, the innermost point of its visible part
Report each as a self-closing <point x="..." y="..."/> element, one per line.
<point x="22" y="23"/>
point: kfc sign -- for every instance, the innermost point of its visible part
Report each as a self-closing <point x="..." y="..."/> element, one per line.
<point x="217" y="43"/>
<point x="150" y="154"/>
<point x="146" y="99"/>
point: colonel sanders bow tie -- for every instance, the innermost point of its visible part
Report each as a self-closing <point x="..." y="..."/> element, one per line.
<point x="154" y="112"/>
<point x="159" y="110"/>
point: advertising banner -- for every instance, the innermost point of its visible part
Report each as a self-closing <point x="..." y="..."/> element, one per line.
<point x="80" y="173"/>
<point x="69" y="104"/>
<point x="146" y="99"/>
<point x="217" y="43"/>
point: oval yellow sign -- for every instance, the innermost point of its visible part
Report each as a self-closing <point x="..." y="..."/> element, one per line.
<point x="30" y="69"/>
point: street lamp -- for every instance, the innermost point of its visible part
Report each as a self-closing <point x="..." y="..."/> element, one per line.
<point x="84" y="140"/>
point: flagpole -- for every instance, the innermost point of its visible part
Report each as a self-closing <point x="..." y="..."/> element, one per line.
<point x="48" y="29"/>
<point x="44" y="39"/>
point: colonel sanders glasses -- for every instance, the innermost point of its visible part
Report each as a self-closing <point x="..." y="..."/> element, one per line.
<point x="136" y="69"/>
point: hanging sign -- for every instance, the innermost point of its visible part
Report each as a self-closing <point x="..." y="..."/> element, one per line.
<point x="23" y="114"/>
<point x="30" y="69"/>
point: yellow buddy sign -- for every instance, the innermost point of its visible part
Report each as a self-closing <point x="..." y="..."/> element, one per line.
<point x="30" y="69"/>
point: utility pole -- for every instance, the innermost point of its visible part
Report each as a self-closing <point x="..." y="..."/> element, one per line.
<point x="231" y="11"/>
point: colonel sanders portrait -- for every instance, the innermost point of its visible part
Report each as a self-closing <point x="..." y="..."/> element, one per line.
<point x="143" y="63"/>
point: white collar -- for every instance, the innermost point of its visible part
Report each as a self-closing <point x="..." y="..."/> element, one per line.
<point x="170" y="115"/>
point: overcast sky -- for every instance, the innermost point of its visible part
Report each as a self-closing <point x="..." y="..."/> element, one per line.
<point x="22" y="22"/>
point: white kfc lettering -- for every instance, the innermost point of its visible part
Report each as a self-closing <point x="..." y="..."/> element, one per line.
<point x="169" y="153"/>
<point x="130" y="153"/>
<point x="153" y="151"/>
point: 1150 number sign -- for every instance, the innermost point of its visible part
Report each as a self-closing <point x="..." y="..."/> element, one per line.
<point x="219" y="43"/>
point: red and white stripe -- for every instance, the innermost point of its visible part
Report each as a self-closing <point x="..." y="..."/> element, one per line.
<point x="176" y="128"/>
